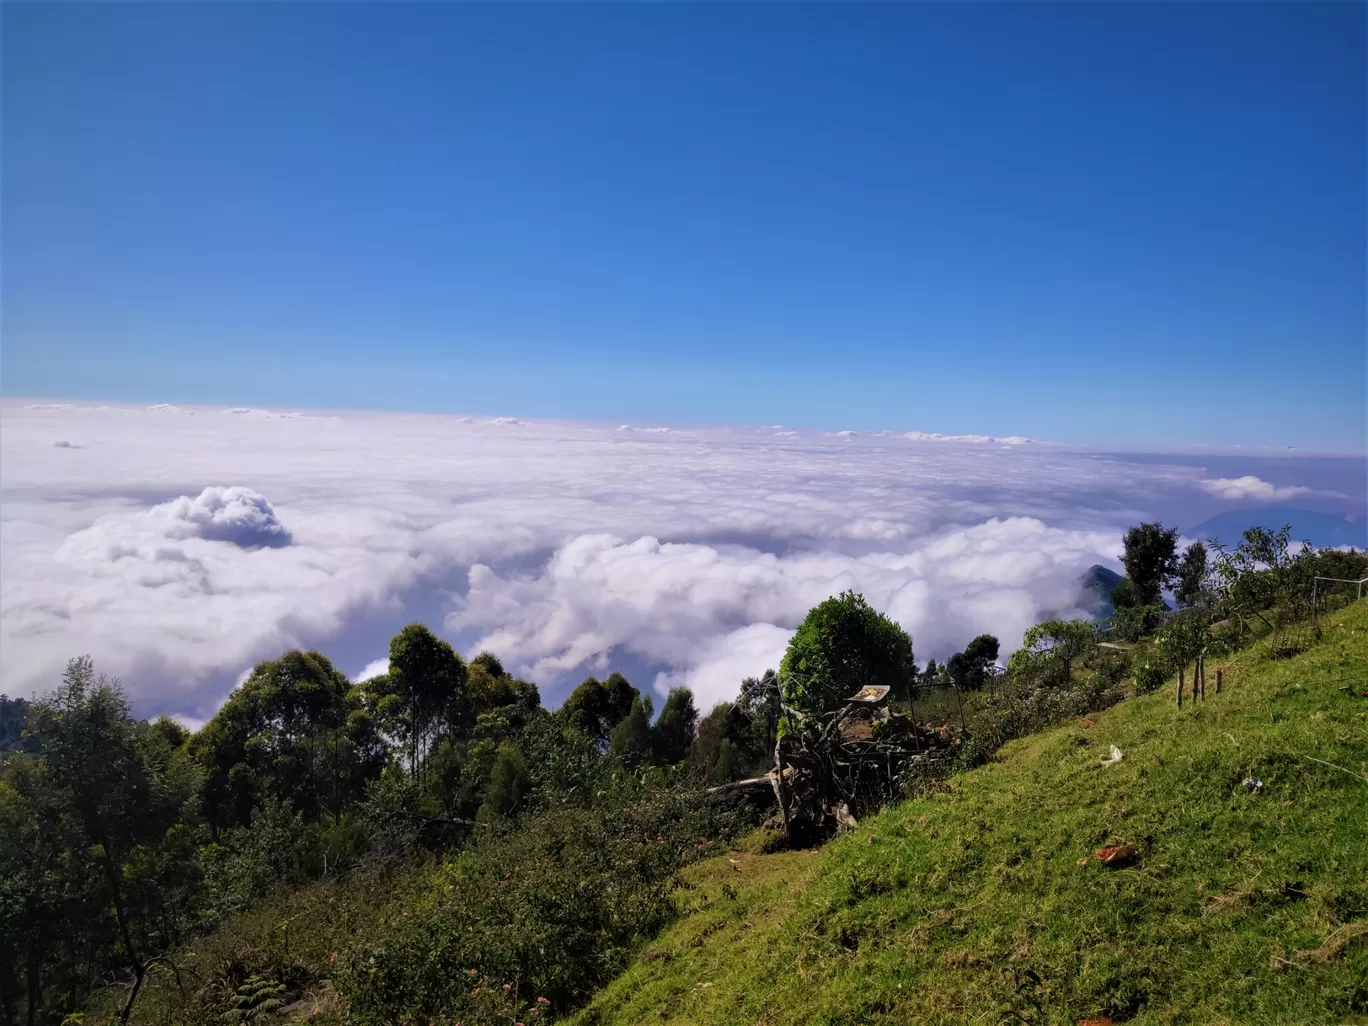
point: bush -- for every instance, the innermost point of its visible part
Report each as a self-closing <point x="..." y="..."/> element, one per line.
<point x="1149" y="677"/>
<point x="552" y="909"/>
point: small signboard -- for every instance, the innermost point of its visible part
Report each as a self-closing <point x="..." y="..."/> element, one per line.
<point x="870" y="694"/>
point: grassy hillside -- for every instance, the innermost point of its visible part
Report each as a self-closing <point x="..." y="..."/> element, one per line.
<point x="985" y="903"/>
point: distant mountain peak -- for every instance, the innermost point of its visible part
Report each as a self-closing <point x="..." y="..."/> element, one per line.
<point x="1098" y="583"/>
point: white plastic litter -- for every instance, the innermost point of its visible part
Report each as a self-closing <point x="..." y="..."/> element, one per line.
<point x="1115" y="757"/>
<point x="1250" y="784"/>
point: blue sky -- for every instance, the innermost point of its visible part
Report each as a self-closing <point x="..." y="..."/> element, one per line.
<point x="1103" y="223"/>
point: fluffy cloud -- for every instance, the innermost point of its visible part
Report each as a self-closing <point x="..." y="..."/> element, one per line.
<point x="236" y="515"/>
<point x="1250" y="487"/>
<point x="716" y="609"/>
<point x="179" y="549"/>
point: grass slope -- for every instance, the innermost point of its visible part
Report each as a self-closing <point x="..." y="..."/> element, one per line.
<point x="983" y="904"/>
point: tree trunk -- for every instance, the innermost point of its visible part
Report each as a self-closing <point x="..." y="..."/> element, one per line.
<point x="779" y="783"/>
<point x="139" y="973"/>
<point x="1180" y="687"/>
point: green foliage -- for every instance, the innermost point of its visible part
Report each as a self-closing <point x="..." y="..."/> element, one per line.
<point x="633" y="742"/>
<point x="1191" y="574"/>
<point x="98" y="875"/>
<point x="842" y="645"/>
<point x="256" y="1000"/>
<point x="1123" y="596"/>
<point x="428" y="679"/>
<point x="1131" y="623"/>
<point x="675" y="728"/>
<point x="1149" y="677"/>
<point x="509" y="784"/>
<point x="247" y="862"/>
<point x="295" y="731"/>
<point x="13" y="716"/>
<point x="554" y="909"/>
<point x="1183" y="639"/>
<point x="595" y="708"/>
<point x="970" y="669"/>
<point x="1061" y="641"/>
<point x="1150" y="558"/>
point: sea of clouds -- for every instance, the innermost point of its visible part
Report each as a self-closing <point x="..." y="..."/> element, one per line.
<point x="179" y="546"/>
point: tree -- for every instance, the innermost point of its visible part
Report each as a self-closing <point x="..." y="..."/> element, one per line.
<point x="1191" y="574"/>
<point x="121" y="808"/>
<point x="675" y="728"/>
<point x="1065" y="640"/>
<point x="842" y="645"/>
<point x="509" y="784"/>
<point x="1183" y="640"/>
<point x="428" y="677"/>
<point x="295" y="730"/>
<point x="594" y="708"/>
<point x="1263" y="572"/>
<point x="970" y="669"/>
<point x="752" y="722"/>
<point x="1150" y="557"/>
<point x="632" y="742"/>
<point x="706" y="755"/>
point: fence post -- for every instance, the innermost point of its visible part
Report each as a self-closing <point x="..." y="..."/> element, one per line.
<point x="1180" y="687"/>
<point x="1218" y="680"/>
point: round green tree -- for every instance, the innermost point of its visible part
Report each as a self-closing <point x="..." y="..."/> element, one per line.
<point x="842" y="645"/>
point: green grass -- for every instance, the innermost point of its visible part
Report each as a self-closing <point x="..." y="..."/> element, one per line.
<point x="983" y="903"/>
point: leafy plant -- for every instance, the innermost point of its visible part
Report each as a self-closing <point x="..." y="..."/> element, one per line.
<point x="256" y="1000"/>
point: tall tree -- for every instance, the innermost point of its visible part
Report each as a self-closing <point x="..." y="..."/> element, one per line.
<point x="842" y="645"/>
<point x="428" y="677"/>
<point x="1191" y="574"/>
<point x="633" y="743"/>
<point x="969" y="669"/>
<point x="1150" y="556"/>
<point x="509" y="784"/>
<point x="295" y="730"/>
<point x="594" y="708"/>
<point x="120" y="805"/>
<point x="675" y="728"/>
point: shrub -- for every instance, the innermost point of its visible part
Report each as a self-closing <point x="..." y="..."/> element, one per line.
<point x="1149" y="677"/>
<point x="553" y="909"/>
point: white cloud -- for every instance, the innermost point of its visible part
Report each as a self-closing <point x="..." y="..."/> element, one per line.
<point x="374" y="668"/>
<point x="237" y="515"/>
<point x="178" y="549"/>
<point x="726" y="661"/>
<point x="691" y="606"/>
<point x="1250" y="487"/>
<point x="932" y="436"/>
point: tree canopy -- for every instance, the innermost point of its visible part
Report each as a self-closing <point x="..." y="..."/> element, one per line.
<point x="1150" y="556"/>
<point x="842" y="645"/>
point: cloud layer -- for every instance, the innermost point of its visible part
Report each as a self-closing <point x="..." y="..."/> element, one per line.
<point x="1250" y="487"/>
<point x="178" y="546"/>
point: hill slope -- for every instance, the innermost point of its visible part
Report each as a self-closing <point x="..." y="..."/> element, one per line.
<point x="985" y="904"/>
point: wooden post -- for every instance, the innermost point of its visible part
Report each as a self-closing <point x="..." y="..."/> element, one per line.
<point x="1218" y="680"/>
<point x="1201" y="674"/>
<point x="1180" y="687"/>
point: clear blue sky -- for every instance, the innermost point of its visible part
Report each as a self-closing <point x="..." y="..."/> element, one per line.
<point x="1093" y="222"/>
